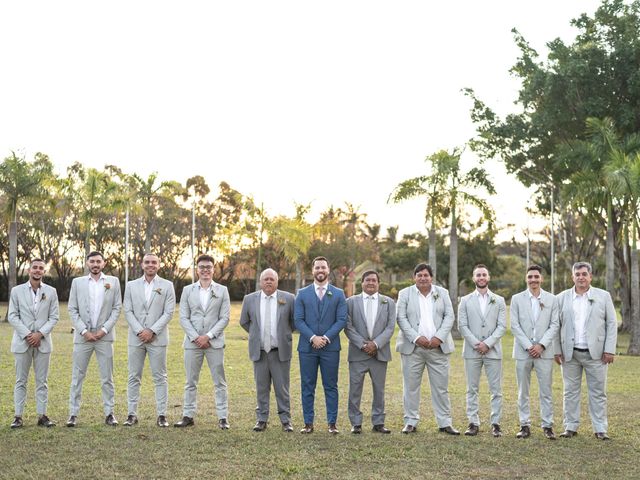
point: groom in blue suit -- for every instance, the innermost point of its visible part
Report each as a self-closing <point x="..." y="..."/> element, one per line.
<point x="320" y="315"/>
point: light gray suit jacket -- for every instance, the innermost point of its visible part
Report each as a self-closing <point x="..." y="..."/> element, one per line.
<point x="195" y="321"/>
<point x="155" y="315"/>
<point x="24" y="319"/>
<point x="383" y="327"/>
<point x="250" y="320"/>
<point x="408" y="317"/>
<point x="522" y="325"/>
<point x="488" y="328"/>
<point x="79" y="308"/>
<point x="601" y="324"/>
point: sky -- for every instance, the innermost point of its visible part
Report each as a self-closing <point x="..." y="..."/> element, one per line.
<point x="321" y="102"/>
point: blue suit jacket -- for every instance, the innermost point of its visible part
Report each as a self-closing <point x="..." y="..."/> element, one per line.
<point x="313" y="317"/>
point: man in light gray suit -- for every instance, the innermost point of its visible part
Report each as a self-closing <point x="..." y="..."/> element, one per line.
<point x="534" y="324"/>
<point x="149" y="303"/>
<point x="588" y="336"/>
<point x="268" y="317"/>
<point x="371" y="319"/>
<point x="204" y="314"/>
<point x="33" y="312"/>
<point x="425" y="317"/>
<point x="482" y="318"/>
<point x="94" y="307"/>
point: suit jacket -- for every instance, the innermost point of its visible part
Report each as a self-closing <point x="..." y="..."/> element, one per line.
<point x="80" y="310"/>
<point x="250" y="320"/>
<point x="601" y="324"/>
<point x="24" y="319"/>
<point x="211" y="321"/>
<point x="357" y="331"/>
<point x="155" y="315"/>
<point x="522" y="325"/>
<point x="313" y="317"/>
<point x="488" y="328"/>
<point x="408" y="317"/>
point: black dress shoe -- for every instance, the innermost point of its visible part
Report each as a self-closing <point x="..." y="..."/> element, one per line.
<point x="356" y="429"/>
<point x="260" y="426"/>
<point x="333" y="430"/>
<point x="72" y="422"/>
<point x="185" y="422"/>
<point x="111" y="420"/>
<point x="162" y="421"/>
<point x="409" y="429"/>
<point x="601" y="436"/>
<point x="568" y="434"/>
<point x="548" y="433"/>
<point x="17" y="422"/>
<point x="44" y="421"/>
<point x="287" y="427"/>
<point x="495" y="430"/>
<point x="308" y="428"/>
<point x="449" y="430"/>
<point x="380" y="429"/>
<point x="525" y="432"/>
<point x="472" y="430"/>
<point x="223" y="424"/>
<point x="130" y="421"/>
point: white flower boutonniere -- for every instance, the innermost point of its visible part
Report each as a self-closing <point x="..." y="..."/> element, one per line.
<point x="158" y="291"/>
<point x="282" y="302"/>
<point x="329" y="293"/>
<point x="384" y="301"/>
<point x="107" y="286"/>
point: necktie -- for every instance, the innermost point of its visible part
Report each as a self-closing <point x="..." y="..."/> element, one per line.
<point x="320" y="293"/>
<point x="370" y="319"/>
<point x="266" y="334"/>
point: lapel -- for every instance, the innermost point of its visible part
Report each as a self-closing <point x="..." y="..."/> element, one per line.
<point x="256" y="306"/>
<point x="475" y="301"/>
<point x="379" y="315"/>
<point x="415" y="299"/>
<point x="211" y="294"/>
<point x="568" y="312"/>
<point x="139" y="286"/>
<point x="434" y="292"/>
<point x="29" y="298"/>
<point x="590" y="301"/>
<point x="322" y="305"/>
<point x="104" y="297"/>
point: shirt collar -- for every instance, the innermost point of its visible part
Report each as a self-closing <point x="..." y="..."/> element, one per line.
<point x="317" y="286"/>
<point x="102" y="277"/>
<point x="206" y="289"/>
<point x="477" y="293"/>
<point x="152" y="282"/>
<point x="431" y="292"/>
<point x="576" y="295"/>
<point x="366" y="295"/>
<point x="265" y="296"/>
<point x="531" y="295"/>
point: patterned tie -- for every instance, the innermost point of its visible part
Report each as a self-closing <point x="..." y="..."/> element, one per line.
<point x="320" y="293"/>
<point x="369" y="313"/>
<point x="266" y="335"/>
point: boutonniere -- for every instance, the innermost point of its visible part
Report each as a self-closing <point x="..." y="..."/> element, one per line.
<point x="43" y="297"/>
<point x="435" y="296"/>
<point x="541" y="305"/>
<point x="158" y="291"/>
<point x="591" y="301"/>
<point x="107" y="286"/>
<point x="384" y="301"/>
<point x="282" y="302"/>
<point x="213" y="294"/>
<point x="329" y="293"/>
<point x="492" y="300"/>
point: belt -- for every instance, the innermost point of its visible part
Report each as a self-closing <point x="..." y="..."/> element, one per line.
<point x="272" y="350"/>
<point x="581" y="349"/>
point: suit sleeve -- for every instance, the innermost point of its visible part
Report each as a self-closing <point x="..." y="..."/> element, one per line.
<point x="611" y="322"/>
<point x="548" y="340"/>
<point x="385" y="336"/>
<point x="299" y="319"/>
<point x="520" y="338"/>
<point x="185" y="315"/>
<point x="402" y="319"/>
<point x="245" y="320"/>
<point x="501" y="326"/>
<point x="463" y="324"/>
<point x="129" y="314"/>
<point x="54" y="313"/>
<point x="74" y="310"/>
<point x="167" y="310"/>
<point x="350" y="331"/>
<point x="223" y="318"/>
<point x="116" y="306"/>
<point x="14" y="315"/>
<point x="447" y="321"/>
<point x="341" y="318"/>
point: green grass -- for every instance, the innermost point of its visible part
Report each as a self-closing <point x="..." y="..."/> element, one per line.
<point x="93" y="450"/>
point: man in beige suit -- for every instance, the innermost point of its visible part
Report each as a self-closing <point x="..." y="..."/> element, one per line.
<point x="149" y="302"/>
<point x="33" y="312"/>
<point x="204" y="314"/>
<point x="94" y="307"/>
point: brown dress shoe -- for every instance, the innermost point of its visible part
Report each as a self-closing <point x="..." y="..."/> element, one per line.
<point x="548" y="433"/>
<point x="287" y="427"/>
<point x="111" y="420"/>
<point x="162" y="421"/>
<point x="409" y="429"/>
<point x="601" y="436"/>
<point x="17" y="422"/>
<point x="260" y="426"/>
<point x="72" y="422"/>
<point x="185" y="422"/>
<point x="380" y="429"/>
<point x="333" y="429"/>
<point x="525" y="432"/>
<point x="449" y="430"/>
<point x="223" y="424"/>
<point x="356" y="429"/>
<point x="495" y="430"/>
<point x="130" y="421"/>
<point x="472" y="430"/>
<point x="568" y="434"/>
<point x="308" y="428"/>
<point x="44" y="421"/>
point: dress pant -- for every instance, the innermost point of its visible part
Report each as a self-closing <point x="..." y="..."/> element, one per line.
<point x="158" y="364"/>
<point x="437" y="365"/>
<point x="493" y="369"/>
<point x="329" y="362"/>
<point x="596" y="374"/>
<point x="544" y="372"/>
<point x="271" y="370"/>
<point x="377" y="371"/>
<point x="23" y="363"/>
<point x="81" y="356"/>
<point x="193" y="359"/>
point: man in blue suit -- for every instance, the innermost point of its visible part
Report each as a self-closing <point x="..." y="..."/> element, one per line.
<point x="320" y="315"/>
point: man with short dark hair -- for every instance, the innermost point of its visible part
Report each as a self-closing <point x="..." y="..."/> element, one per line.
<point x="33" y="312"/>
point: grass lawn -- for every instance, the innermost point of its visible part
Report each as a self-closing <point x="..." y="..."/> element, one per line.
<point x="93" y="450"/>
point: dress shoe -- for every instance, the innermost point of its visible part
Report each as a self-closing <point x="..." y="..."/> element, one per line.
<point x="17" y="422"/>
<point x="111" y="420"/>
<point x="568" y="434"/>
<point x="525" y="432"/>
<point x="409" y="429"/>
<point x="185" y="422"/>
<point x="380" y="429"/>
<point x="162" y="421"/>
<point x="333" y="429"/>
<point x="449" y="430"/>
<point x="548" y="433"/>
<point x="260" y="426"/>
<point x="223" y="424"/>
<point x="356" y="429"/>
<point x="472" y="430"/>
<point x="601" y="436"/>
<point x="44" y="421"/>
<point x="495" y="430"/>
<point x="130" y="421"/>
<point x="287" y="427"/>
<point x="72" y="422"/>
<point x="308" y="428"/>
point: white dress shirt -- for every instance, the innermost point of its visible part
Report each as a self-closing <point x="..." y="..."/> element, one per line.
<point x="535" y="309"/>
<point x="96" y="298"/>
<point x="483" y="300"/>
<point x="36" y="296"/>
<point x="427" y="327"/>
<point x="274" y="318"/>
<point x="373" y="301"/>
<point x="205" y="295"/>
<point x="580" y="308"/>
<point x="148" y="289"/>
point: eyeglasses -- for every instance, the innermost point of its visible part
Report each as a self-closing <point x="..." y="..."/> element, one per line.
<point x="205" y="267"/>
